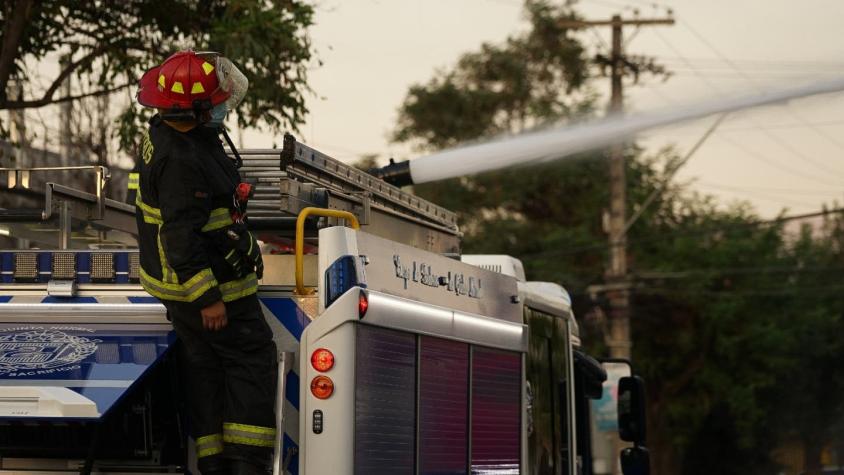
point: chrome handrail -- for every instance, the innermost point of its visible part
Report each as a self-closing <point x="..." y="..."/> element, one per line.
<point x="21" y="175"/>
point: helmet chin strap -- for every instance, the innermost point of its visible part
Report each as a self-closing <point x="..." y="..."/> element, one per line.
<point x="198" y="113"/>
<point x="237" y="159"/>
<point x="179" y="115"/>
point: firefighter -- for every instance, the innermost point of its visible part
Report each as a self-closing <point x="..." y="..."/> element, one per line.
<point x="203" y="264"/>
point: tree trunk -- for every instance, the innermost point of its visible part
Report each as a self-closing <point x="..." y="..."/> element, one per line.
<point x="17" y="16"/>
<point x="662" y="452"/>
<point x="812" y="456"/>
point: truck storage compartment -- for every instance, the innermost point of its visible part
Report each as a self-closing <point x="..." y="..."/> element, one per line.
<point x="444" y="406"/>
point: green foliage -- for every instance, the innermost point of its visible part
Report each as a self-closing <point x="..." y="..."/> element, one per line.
<point x="522" y="83"/>
<point x="740" y="321"/>
<point x="735" y="321"/>
<point x="112" y="43"/>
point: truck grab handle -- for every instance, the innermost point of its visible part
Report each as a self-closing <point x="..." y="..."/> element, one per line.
<point x="300" y="238"/>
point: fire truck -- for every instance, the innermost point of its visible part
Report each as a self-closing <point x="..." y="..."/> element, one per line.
<point x="397" y="353"/>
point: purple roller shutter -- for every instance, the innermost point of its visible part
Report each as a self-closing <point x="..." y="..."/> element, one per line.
<point x="496" y="411"/>
<point x="385" y="402"/>
<point x="443" y="406"/>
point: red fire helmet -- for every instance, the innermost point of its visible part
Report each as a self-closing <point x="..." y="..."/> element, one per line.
<point x="185" y="80"/>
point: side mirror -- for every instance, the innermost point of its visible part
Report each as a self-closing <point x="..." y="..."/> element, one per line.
<point x="631" y="410"/>
<point x="635" y="461"/>
<point x="591" y="373"/>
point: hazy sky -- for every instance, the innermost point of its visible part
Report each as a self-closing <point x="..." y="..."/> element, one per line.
<point x="784" y="156"/>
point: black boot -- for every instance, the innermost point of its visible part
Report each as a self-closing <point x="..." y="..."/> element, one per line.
<point x="214" y="465"/>
<point x="242" y="467"/>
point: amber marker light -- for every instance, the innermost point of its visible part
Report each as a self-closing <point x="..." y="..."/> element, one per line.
<point x="322" y="360"/>
<point x="322" y="387"/>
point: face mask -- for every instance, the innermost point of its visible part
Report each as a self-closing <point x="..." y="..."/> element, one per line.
<point x="218" y="114"/>
<point x="231" y="80"/>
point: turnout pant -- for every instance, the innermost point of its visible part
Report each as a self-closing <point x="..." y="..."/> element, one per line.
<point x="231" y="385"/>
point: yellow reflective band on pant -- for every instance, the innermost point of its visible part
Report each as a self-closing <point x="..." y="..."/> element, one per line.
<point x="249" y="435"/>
<point x="240" y="288"/>
<point x="219" y="218"/>
<point x="209" y="445"/>
<point x="186" y="292"/>
<point x="134" y="181"/>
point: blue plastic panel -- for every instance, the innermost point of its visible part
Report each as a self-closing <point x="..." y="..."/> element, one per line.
<point x="340" y="276"/>
<point x="100" y="362"/>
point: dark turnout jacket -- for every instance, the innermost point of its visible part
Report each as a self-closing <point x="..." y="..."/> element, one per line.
<point x="183" y="207"/>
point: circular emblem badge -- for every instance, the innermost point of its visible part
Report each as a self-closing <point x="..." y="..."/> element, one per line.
<point x="42" y="349"/>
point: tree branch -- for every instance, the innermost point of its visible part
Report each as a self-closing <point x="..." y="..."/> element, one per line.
<point x="44" y="101"/>
<point x="47" y="97"/>
<point x="13" y="30"/>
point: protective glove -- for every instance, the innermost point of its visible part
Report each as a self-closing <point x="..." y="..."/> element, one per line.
<point x="234" y="260"/>
<point x="246" y="253"/>
<point x="253" y="255"/>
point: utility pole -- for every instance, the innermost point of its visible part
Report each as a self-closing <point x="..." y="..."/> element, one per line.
<point x="617" y="288"/>
<point x="65" y="112"/>
<point x="17" y="130"/>
<point x="617" y="285"/>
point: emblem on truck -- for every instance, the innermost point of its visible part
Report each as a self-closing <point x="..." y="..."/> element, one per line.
<point x="422" y="273"/>
<point x="41" y="349"/>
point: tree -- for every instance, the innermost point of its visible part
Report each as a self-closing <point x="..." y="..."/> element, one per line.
<point x="813" y="412"/>
<point x="523" y="83"/>
<point x="108" y="45"/>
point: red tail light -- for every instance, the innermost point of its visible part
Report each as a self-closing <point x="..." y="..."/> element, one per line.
<point x="322" y="360"/>
<point x="363" y="304"/>
<point x="322" y="387"/>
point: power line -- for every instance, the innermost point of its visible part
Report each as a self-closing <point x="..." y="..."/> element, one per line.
<point x="603" y="44"/>
<point x="721" y="130"/>
<point x="670" y="173"/>
<point x="760" y="67"/>
<point x="688" y="273"/>
<point x="654" y="5"/>
<point x="762" y="62"/>
<point x="814" y="192"/>
<point x="610" y="4"/>
<point x="782" y="126"/>
<point x="657" y="92"/>
<point x="787" y="146"/>
<point x="699" y="232"/>
<point x="785" y="168"/>
<point x="755" y="84"/>
<point x="775" y="138"/>
<point x="769" y="291"/>
<point x="768" y="197"/>
<point x="761" y="74"/>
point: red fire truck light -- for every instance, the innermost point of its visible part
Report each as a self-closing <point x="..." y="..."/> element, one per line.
<point x="322" y="387"/>
<point x="363" y="304"/>
<point x="322" y="360"/>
